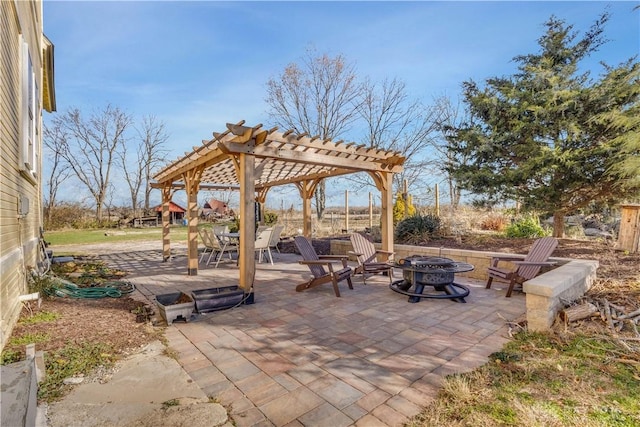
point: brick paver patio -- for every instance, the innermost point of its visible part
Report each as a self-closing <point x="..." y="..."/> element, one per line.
<point x="368" y="358"/>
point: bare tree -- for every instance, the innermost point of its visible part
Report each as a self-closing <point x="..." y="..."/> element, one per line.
<point x="319" y="97"/>
<point x="54" y="139"/>
<point x="396" y="122"/>
<point x="133" y="170"/>
<point x="138" y="166"/>
<point x="451" y="117"/>
<point x="154" y="138"/>
<point x="92" y="146"/>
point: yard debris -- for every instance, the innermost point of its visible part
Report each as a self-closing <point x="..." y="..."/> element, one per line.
<point x="615" y="316"/>
<point x="578" y="312"/>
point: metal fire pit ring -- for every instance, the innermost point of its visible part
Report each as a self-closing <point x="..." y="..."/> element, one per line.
<point x="452" y="291"/>
<point x="438" y="272"/>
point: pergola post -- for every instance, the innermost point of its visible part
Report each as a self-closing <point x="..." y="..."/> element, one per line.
<point x="246" y="252"/>
<point x="307" y="189"/>
<point x="166" y="226"/>
<point x="346" y="211"/>
<point x="370" y="211"/>
<point x="261" y="198"/>
<point x="384" y="183"/>
<point x="192" y="183"/>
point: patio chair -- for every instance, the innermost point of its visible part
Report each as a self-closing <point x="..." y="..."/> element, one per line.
<point x="317" y="266"/>
<point x="275" y="237"/>
<point x="227" y="244"/>
<point x="527" y="267"/>
<point x="262" y="244"/>
<point x="367" y="256"/>
<point x="206" y="241"/>
<point x="215" y="249"/>
<point x="219" y="229"/>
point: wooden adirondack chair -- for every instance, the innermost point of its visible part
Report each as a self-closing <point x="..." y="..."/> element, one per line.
<point x="527" y="267"/>
<point x="317" y="266"/>
<point x="367" y="255"/>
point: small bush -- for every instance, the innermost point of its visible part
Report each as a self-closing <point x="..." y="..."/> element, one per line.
<point x="494" y="222"/>
<point x="399" y="208"/>
<point x="270" y="218"/>
<point x="574" y="231"/>
<point x="42" y="284"/>
<point x="528" y="227"/>
<point x="417" y="228"/>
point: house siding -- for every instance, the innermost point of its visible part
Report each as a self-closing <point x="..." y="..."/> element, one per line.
<point x="18" y="234"/>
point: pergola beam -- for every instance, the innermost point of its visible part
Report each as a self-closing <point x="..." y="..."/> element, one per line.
<point x="354" y="163"/>
<point x="180" y="186"/>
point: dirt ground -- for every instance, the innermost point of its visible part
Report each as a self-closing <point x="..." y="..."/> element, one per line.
<point x="106" y="320"/>
<point x="113" y="320"/>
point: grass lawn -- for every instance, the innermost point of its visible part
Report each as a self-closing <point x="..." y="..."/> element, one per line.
<point x="78" y="237"/>
<point x="560" y="379"/>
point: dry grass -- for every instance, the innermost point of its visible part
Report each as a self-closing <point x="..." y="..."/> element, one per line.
<point x="555" y="379"/>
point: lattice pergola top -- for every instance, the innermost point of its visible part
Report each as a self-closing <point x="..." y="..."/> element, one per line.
<point x="280" y="158"/>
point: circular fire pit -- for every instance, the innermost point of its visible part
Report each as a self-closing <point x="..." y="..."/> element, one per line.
<point x="419" y="271"/>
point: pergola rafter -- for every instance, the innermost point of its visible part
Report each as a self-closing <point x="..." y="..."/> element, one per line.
<point x="254" y="159"/>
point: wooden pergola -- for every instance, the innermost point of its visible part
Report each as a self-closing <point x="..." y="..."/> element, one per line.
<point x="253" y="160"/>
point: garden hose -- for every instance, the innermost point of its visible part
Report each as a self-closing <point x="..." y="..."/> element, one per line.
<point x="111" y="289"/>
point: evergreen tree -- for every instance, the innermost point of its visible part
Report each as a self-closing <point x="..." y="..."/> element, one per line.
<point x="399" y="208"/>
<point x="550" y="136"/>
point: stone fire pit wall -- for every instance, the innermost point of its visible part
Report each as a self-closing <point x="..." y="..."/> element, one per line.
<point x="545" y="294"/>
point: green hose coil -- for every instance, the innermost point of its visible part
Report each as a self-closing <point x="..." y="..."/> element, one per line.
<point x="110" y="289"/>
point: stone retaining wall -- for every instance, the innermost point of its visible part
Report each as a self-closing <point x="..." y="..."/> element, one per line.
<point x="546" y="294"/>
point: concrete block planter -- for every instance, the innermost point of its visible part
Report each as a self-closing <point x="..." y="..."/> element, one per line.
<point x="175" y="306"/>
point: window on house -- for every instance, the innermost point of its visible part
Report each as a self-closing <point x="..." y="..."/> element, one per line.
<point x="30" y="114"/>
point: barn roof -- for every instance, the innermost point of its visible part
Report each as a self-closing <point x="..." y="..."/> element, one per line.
<point x="173" y="207"/>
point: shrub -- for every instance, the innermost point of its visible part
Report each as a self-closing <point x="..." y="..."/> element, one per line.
<point x="494" y="222"/>
<point x="270" y="218"/>
<point x="528" y="227"/>
<point x="417" y="228"/>
<point x="41" y="283"/>
<point x="399" y="208"/>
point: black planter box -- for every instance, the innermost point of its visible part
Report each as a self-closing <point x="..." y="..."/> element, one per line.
<point x="214" y="299"/>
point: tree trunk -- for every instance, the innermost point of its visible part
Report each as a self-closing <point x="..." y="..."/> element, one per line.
<point x="147" y="192"/>
<point x="99" y="212"/>
<point x="321" y="197"/>
<point x="558" y="224"/>
<point x="452" y="196"/>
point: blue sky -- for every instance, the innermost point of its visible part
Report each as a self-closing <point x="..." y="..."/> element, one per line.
<point x="198" y="65"/>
